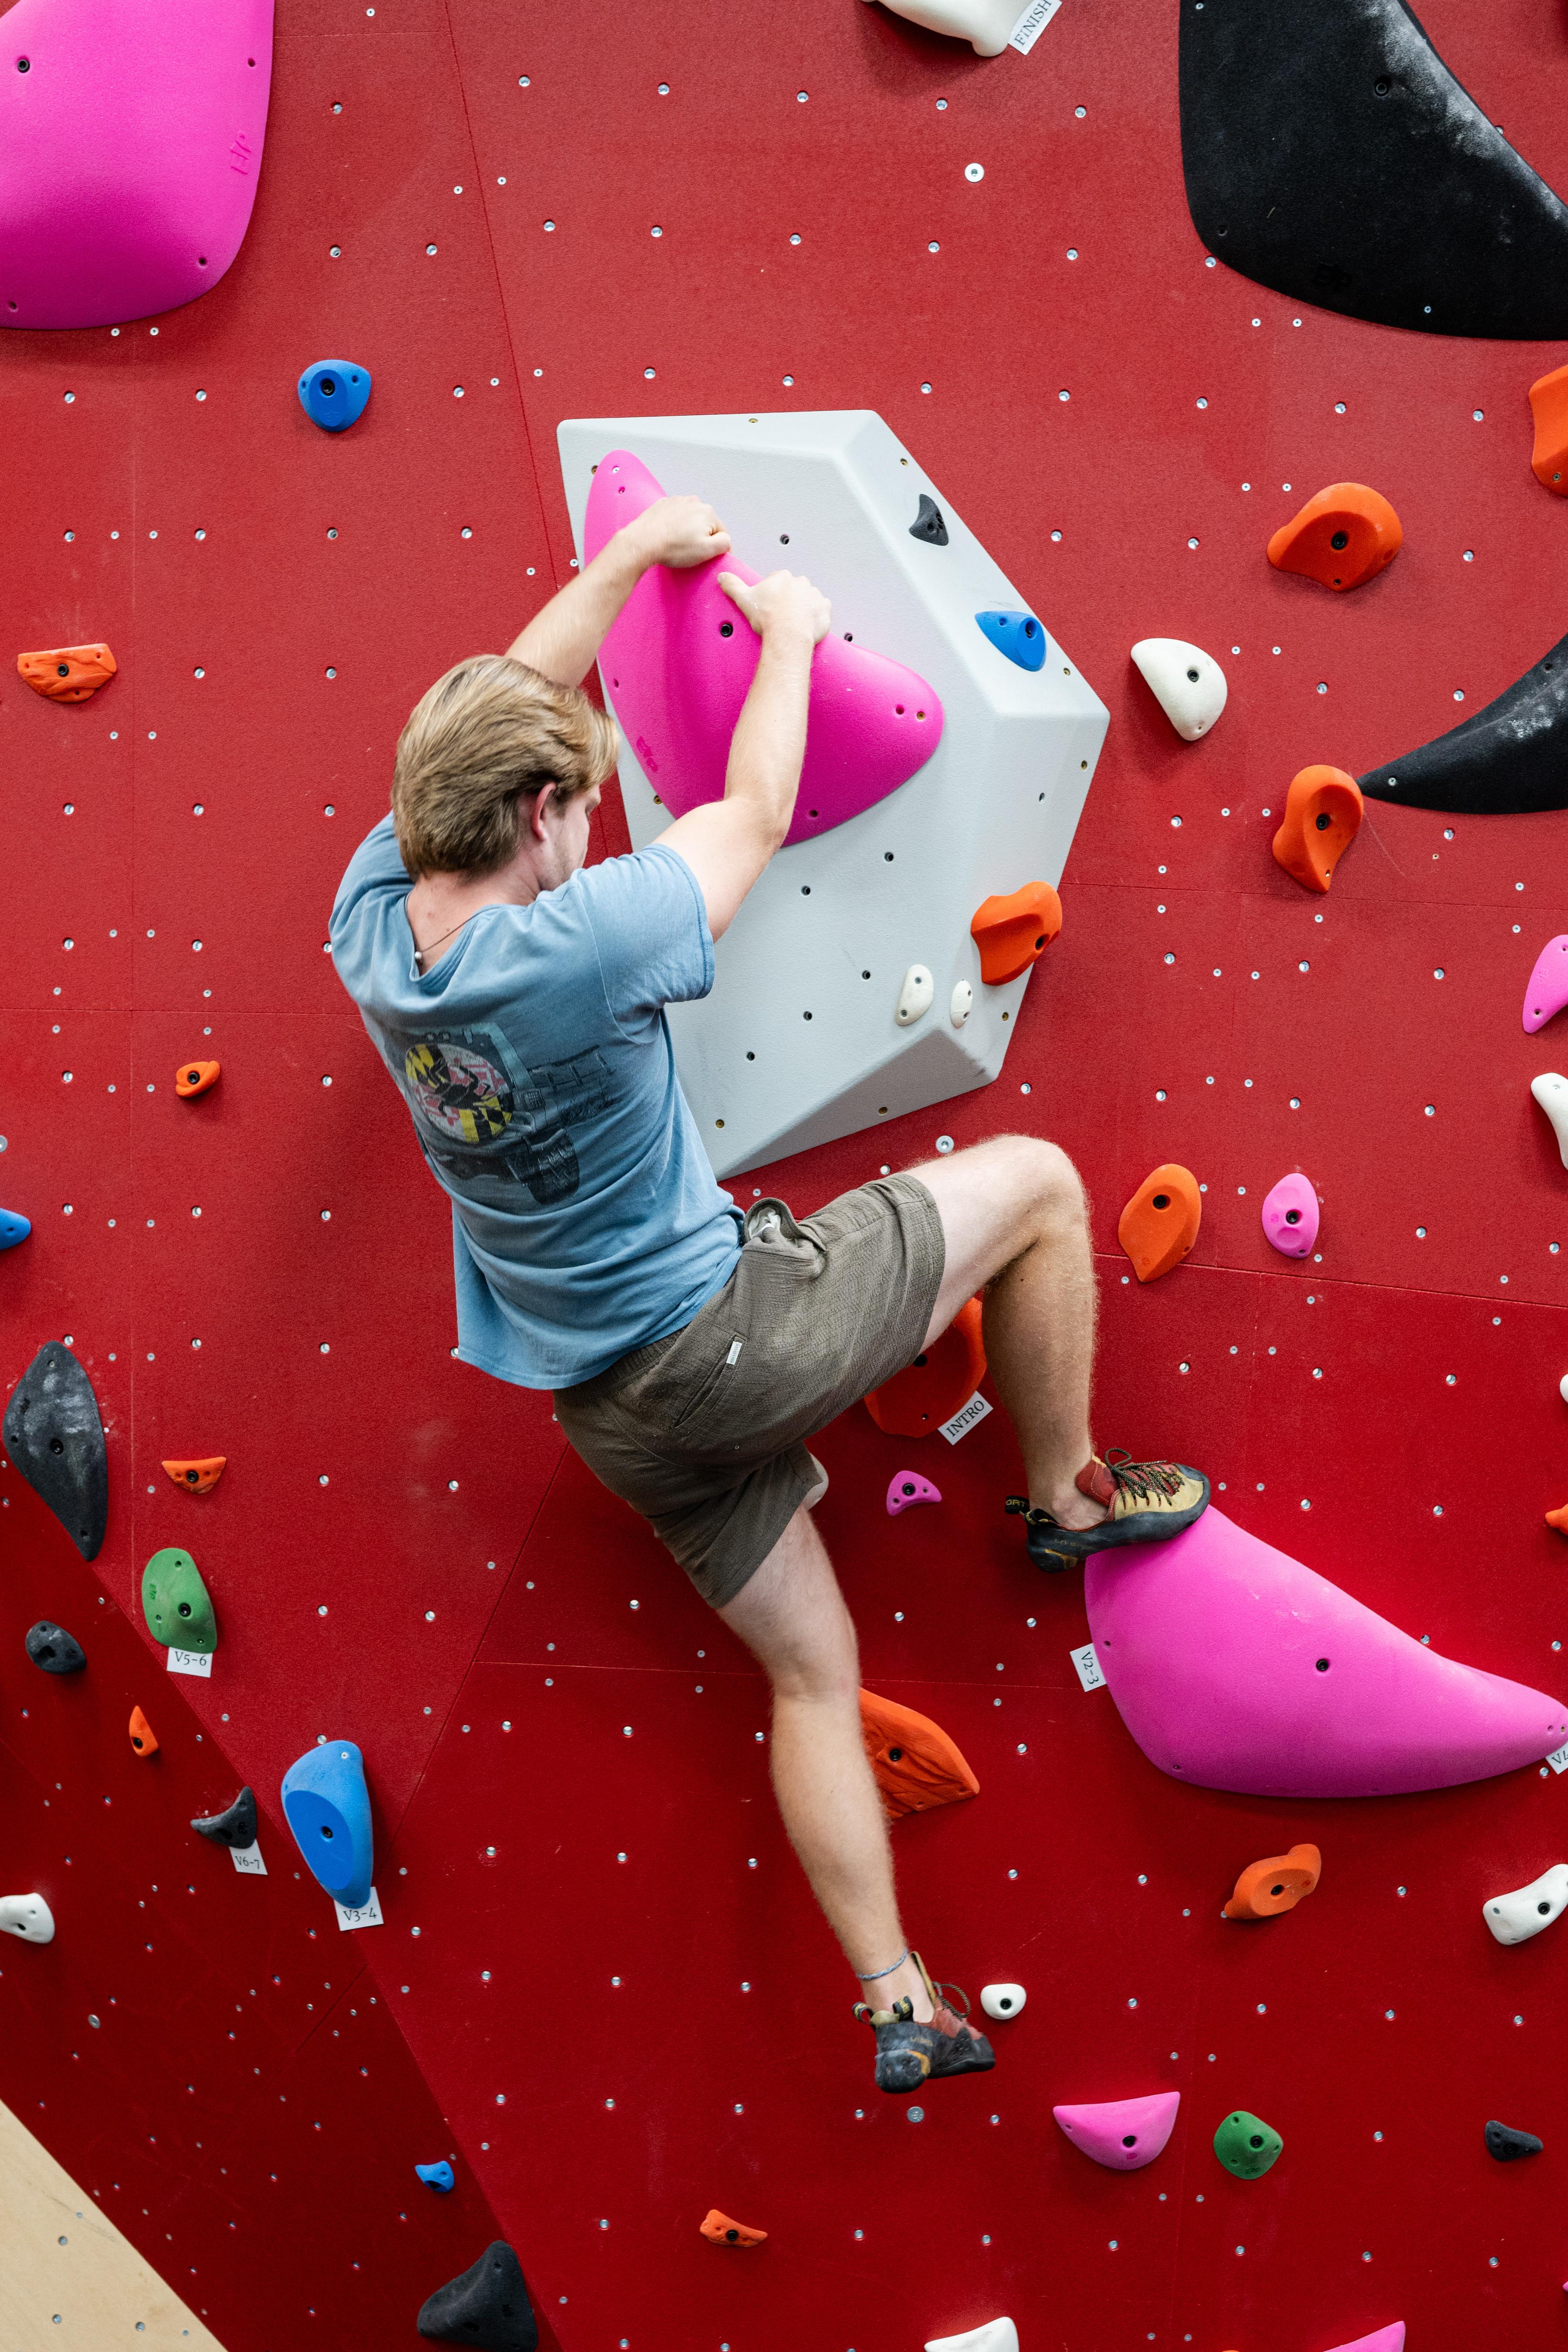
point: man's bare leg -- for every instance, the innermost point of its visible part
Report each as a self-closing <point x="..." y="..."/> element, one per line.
<point x="790" y="1616"/>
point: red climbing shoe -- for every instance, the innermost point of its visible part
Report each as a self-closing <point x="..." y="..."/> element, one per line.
<point x="1145" y="1502"/>
<point x="909" y="2054"/>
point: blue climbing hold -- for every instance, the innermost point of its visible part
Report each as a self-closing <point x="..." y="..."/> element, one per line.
<point x="437" y="2175"/>
<point x="332" y="393"/>
<point x="327" y="1806"/>
<point x="1018" y="636"/>
<point x="13" y="1229"/>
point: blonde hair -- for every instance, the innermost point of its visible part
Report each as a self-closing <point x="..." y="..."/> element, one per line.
<point x="488" y="734"/>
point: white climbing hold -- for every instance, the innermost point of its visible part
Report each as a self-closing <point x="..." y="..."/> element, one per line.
<point x="996" y="2336"/>
<point x="1002" y="1999"/>
<point x="962" y="1004"/>
<point x="28" y="1916"/>
<point x="1562" y="1387"/>
<point x="1514" y="1918"/>
<point x="916" y="994"/>
<point x="985" y="25"/>
<point x="1187" y="684"/>
<point x="1551" y="1091"/>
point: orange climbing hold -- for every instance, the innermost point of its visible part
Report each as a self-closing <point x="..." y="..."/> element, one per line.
<point x="1011" y="932"/>
<point x="943" y="1377"/>
<point x="720" y="2231"/>
<point x="1343" y="538"/>
<point x="1267" y="1888"/>
<point x="195" y="1077"/>
<point x="144" y="1738"/>
<point x="1160" y="1223"/>
<point x="1558" y="1519"/>
<point x="917" y="1766"/>
<point x="67" y="673"/>
<point x="1549" y="406"/>
<point x="1323" y="811"/>
<point x="199" y="1477"/>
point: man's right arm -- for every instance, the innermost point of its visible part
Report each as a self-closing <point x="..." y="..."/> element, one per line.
<point x="728" y="843"/>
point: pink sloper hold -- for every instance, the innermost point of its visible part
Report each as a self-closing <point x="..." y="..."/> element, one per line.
<point x="130" y="137"/>
<point x="1125" y="2134"/>
<point x="680" y="658"/>
<point x="906" y="1489"/>
<point x="1290" y="1216"/>
<point x="1548" y="990"/>
<point x="1234" y="1666"/>
<point x="1382" y="2339"/>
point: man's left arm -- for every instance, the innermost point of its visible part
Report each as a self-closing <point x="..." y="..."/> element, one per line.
<point x="562" y="641"/>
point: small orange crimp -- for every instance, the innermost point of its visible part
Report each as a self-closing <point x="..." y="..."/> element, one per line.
<point x="1558" y="1519"/>
<point x="67" y="673"/>
<point x="720" y="2231"/>
<point x="1012" y="932"/>
<point x="942" y="1377"/>
<point x="1343" y="538"/>
<point x="917" y="1767"/>
<point x="198" y="1477"/>
<point x="1160" y="1223"/>
<point x="1549" y="406"/>
<point x="1278" y="1883"/>
<point x="195" y="1077"/>
<point x="1324" y="810"/>
<point x="144" y="1738"/>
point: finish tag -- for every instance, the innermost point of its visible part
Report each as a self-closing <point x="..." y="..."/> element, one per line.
<point x="1088" y="1665"/>
<point x="190" y="1661"/>
<point x="966" y="1418"/>
<point x="1031" y="24"/>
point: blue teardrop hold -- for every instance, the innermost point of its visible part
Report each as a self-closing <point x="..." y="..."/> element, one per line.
<point x="437" y="2175"/>
<point x="1018" y="636"/>
<point x="327" y="1806"/>
<point x="13" y="1229"/>
<point x="334" y="393"/>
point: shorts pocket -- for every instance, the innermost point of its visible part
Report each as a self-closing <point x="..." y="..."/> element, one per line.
<point x="705" y="1393"/>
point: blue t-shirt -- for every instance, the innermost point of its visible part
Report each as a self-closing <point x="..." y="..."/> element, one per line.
<point x="536" y="1062"/>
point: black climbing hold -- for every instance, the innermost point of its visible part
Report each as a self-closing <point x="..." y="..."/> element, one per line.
<point x="1507" y="2144"/>
<point x="51" y="1647"/>
<point x="488" y="2307"/>
<point x="235" y="1827"/>
<point x="1329" y="153"/>
<point x="928" y="524"/>
<point x="1509" y="759"/>
<point x="55" y="1437"/>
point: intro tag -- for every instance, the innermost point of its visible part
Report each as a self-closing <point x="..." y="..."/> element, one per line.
<point x="966" y="1418"/>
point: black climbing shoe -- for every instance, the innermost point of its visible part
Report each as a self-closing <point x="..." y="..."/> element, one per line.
<point x="909" y="2054"/>
<point x="1145" y="1502"/>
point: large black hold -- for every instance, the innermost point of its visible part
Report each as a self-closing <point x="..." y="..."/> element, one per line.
<point x="55" y="1437"/>
<point x="1330" y="154"/>
<point x="1509" y="759"/>
<point x="51" y="1647"/>
<point x="236" y="1827"/>
<point x="488" y="2307"/>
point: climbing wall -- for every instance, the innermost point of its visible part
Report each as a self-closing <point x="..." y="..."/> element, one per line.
<point x="601" y="1987"/>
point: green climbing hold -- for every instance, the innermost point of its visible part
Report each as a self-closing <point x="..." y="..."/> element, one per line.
<point x="177" y="1604"/>
<point x="1247" y="2146"/>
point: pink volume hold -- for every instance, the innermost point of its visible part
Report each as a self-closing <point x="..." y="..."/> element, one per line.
<point x="1548" y="990"/>
<point x="679" y="662"/>
<point x="1290" y="1216"/>
<point x="130" y="135"/>
<point x="906" y="1489"/>
<point x="1124" y="2134"/>
<point x="1382" y="2339"/>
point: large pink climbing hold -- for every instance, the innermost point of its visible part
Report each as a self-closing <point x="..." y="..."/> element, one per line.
<point x="1548" y="990"/>
<point x="679" y="659"/>
<point x="1290" y="1216"/>
<point x="906" y="1489"/>
<point x="1125" y="2134"/>
<point x="130" y="137"/>
<point x="1382" y="2339"/>
<point x="1235" y="1666"/>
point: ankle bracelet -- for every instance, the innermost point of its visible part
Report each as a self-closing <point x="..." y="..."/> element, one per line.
<point x="869" y="1976"/>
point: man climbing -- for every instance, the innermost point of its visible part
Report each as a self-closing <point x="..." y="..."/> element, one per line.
<point x="517" y="995"/>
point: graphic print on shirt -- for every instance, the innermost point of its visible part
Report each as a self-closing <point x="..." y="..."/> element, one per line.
<point x="487" y="1123"/>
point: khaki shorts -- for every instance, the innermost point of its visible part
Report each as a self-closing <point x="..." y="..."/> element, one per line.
<point x="704" y="1433"/>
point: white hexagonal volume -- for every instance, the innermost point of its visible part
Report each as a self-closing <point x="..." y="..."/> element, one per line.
<point x="800" y="1039"/>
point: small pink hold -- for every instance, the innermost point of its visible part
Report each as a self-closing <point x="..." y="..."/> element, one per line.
<point x="907" y="1488"/>
<point x="1548" y="990"/>
<point x="1290" y="1216"/>
<point x="1125" y="2134"/>
<point x="1382" y="2339"/>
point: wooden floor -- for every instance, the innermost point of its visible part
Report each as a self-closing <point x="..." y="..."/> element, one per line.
<point x="68" y="2278"/>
